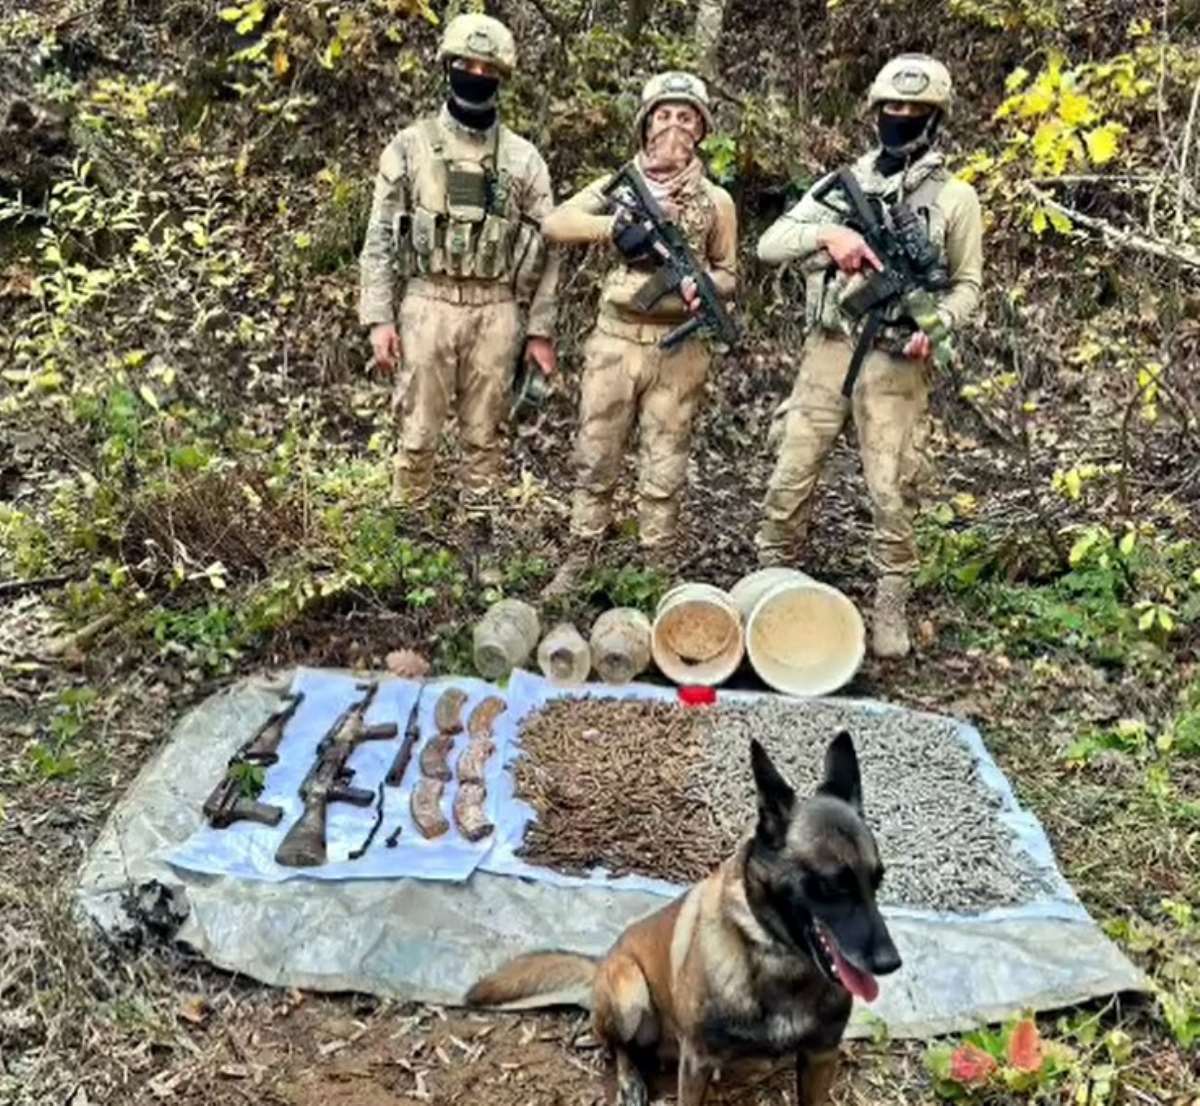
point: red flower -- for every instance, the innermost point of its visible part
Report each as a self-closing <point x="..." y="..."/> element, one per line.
<point x="1025" y="1047"/>
<point x="970" y="1066"/>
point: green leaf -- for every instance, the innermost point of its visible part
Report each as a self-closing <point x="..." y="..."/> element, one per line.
<point x="1081" y="548"/>
<point x="1016" y="79"/>
<point x="1128" y="542"/>
<point x="1040" y="221"/>
<point x="1059" y="221"/>
<point x="230" y="15"/>
<point x="1146" y="621"/>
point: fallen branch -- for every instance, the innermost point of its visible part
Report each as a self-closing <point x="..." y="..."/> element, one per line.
<point x="1183" y="158"/>
<point x="16" y="587"/>
<point x="1128" y="239"/>
<point x="67" y="643"/>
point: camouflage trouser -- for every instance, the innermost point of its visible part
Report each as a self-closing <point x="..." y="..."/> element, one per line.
<point x="626" y="376"/>
<point x="460" y="344"/>
<point x="890" y="408"/>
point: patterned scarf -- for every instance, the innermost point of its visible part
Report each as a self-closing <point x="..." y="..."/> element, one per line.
<point x="672" y="188"/>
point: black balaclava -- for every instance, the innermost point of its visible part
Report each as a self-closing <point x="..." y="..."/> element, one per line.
<point x="472" y="99"/>
<point x="904" y="138"/>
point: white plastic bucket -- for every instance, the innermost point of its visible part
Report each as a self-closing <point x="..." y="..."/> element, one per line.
<point x="803" y="637"/>
<point x="697" y="636"/>
<point x="620" y="645"/>
<point x="751" y="588"/>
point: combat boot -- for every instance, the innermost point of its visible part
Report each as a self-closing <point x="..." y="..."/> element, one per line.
<point x="890" y="625"/>
<point x="776" y="545"/>
<point x="569" y="575"/>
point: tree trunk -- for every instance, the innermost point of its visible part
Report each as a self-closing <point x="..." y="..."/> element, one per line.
<point x="709" y="20"/>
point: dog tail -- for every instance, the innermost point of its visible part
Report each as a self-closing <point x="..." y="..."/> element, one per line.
<point x="536" y="980"/>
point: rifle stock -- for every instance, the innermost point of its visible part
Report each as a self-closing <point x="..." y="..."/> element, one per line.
<point x="304" y="845"/>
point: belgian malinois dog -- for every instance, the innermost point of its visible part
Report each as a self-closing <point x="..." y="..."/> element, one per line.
<point x="760" y="960"/>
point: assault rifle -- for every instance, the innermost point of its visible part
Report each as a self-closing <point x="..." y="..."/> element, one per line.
<point x="627" y="192"/>
<point x="912" y="272"/>
<point x="412" y="732"/>
<point x="328" y="781"/>
<point x="228" y="802"/>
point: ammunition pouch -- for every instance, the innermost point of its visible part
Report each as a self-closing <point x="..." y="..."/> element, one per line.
<point x="428" y="255"/>
<point x="493" y="248"/>
<point x="466" y="191"/>
<point x="528" y="259"/>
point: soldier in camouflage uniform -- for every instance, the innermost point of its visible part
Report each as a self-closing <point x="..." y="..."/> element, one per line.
<point x="627" y="379"/>
<point x="456" y="217"/>
<point x="890" y="398"/>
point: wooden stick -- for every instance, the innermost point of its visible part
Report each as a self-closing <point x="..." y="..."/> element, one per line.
<point x="1183" y="159"/>
<point x="1129" y="239"/>
<point x="15" y="587"/>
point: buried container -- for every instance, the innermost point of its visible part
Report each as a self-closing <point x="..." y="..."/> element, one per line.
<point x="505" y="637"/>
<point x="564" y="657"/>
<point x="621" y="645"/>
<point x="803" y="637"/>
<point x="697" y="636"/>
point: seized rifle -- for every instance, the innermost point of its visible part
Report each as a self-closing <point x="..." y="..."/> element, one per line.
<point x="412" y="732"/>
<point x="395" y="775"/>
<point x="628" y="193"/>
<point x="328" y="781"/>
<point x="229" y="801"/>
<point x="912" y="272"/>
<point x="263" y="747"/>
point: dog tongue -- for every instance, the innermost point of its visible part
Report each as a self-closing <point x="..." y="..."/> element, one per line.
<point x="859" y="983"/>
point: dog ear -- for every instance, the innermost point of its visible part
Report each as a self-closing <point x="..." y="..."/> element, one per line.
<point x="775" y="798"/>
<point x="842" y="779"/>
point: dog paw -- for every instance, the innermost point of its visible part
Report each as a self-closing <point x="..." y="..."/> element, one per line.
<point x="631" y="1091"/>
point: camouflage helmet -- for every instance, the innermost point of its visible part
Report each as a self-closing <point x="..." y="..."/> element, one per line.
<point x="481" y="38"/>
<point x="673" y="86"/>
<point x="914" y="79"/>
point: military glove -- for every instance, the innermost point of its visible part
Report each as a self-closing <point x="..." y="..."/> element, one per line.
<point x="633" y="240"/>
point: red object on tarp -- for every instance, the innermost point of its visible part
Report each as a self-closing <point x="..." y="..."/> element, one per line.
<point x="697" y="696"/>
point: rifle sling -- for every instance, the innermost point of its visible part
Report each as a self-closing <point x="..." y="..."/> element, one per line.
<point x="865" y="340"/>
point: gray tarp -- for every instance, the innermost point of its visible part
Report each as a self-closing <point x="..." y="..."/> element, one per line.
<point x="427" y="941"/>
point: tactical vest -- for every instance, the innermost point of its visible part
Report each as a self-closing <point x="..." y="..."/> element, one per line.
<point x="825" y="290"/>
<point x="468" y="231"/>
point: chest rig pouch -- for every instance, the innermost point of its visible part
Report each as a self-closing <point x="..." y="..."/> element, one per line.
<point x="466" y="208"/>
